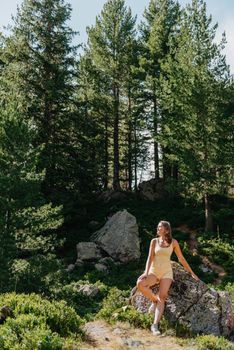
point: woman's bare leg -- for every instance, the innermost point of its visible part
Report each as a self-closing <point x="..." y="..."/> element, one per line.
<point x="144" y="284"/>
<point x="163" y="292"/>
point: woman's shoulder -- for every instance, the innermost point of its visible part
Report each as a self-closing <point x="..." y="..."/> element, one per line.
<point x="153" y="241"/>
<point x="174" y="242"/>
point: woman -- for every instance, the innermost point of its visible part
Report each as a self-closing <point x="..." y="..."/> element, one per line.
<point x="158" y="270"/>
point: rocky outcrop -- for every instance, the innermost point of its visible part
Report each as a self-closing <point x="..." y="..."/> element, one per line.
<point x="193" y="304"/>
<point x="119" y="237"/>
<point x="111" y="194"/>
<point x="152" y="189"/>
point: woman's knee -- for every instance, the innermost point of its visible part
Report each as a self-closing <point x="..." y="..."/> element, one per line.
<point x="140" y="283"/>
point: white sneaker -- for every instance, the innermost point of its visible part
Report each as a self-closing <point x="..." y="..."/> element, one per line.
<point x="152" y="308"/>
<point x="154" y="329"/>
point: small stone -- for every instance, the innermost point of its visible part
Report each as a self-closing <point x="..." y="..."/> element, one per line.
<point x="93" y="223"/>
<point x="70" y="268"/>
<point x="5" y="311"/>
<point x="79" y="263"/>
<point x="117" y="331"/>
<point x="136" y="343"/>
<point x="101" y="267"/>
<point x="88" y="290"/>
<point x="205" y="268"/>
<point x="131" y="342"/>
<point x="106" y="261"/>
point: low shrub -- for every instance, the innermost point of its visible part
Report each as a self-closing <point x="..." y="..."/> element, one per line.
<point x="84" y="305"/>
<point x="116" y="308"/>
<point x="57" y="314"/>
<point x="134" y="317"/>
<point x="38" y="323"/>
<point x="229" y="287"/>
<point x="115" y="300"/>
<point x="220" y="252"/>
<point x="211" y="342"/>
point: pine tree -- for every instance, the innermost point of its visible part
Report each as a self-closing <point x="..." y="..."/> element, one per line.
<point x="93" y="123"/>
<point x="137" y="154"/>
<point x="27" y="220"/>
<point x="195" y="84"/>
<point x="160" y="20"/>
<point x="109" y="43"/>
<point x="40" y="63"/>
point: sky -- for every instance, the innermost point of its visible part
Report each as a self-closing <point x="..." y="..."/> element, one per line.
<point x="85" y="11"/>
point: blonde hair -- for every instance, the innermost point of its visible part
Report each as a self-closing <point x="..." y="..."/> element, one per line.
<point x="167" y="226"/>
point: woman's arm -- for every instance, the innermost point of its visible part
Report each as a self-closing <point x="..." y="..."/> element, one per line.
<point x="149" y="259"/>
<point x="182" y="259"/>
<point x="150" y="256"/>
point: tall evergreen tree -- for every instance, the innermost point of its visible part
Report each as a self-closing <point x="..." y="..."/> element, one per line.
<point x="195" y="84"/>
<point x="28" y="222"/>
<point x="40" y="63"/>
<point x="137" y="154"/>
<point x="93" y="122"/>
<point x="159" y="24"/>
<point x="109" y="43"/>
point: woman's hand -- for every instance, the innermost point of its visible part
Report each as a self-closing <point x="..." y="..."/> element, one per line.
<point x="143" y="276"/>
<point x="195" y="276"/>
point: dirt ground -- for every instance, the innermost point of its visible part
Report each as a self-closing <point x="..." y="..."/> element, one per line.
<point x="122" y="336"/>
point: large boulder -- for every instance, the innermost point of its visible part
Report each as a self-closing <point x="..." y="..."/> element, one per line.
<point x="119" y="237"/>
<point x="193" y="304"/>
<point x="152" y="189"/>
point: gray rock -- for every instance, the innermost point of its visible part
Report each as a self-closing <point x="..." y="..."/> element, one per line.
<point x="106" y="261"/>
<point x="117" y="331"/>
<point x="193" y="304"/>
<point x="205" y="268"/>
<point x="79" y="263"/>
<point x="93" y="223"/>
<point x="88" y="251"/>
<point x="101" y="267"/>
<point x="5" y="312"/>
<point x="131" y="342"/>
<point x="119" y="237"/>
<point x="110" y="194"/>
<point x="152" y="189"/>
<point x="70" y="268"/>
<point x="87" y="289"/>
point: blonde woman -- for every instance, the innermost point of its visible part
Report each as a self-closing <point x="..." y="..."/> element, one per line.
<point x="158" y="270"/>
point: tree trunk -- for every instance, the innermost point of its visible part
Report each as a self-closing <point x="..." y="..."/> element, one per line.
<point x="47" y="156"/>
<point x="208" y="214"/>
<point x="116" y="184"/>
<point x="155" y="125"/>
<point x="166" y="166"/>
<point x="175" y="172"/>
<point x="129" y="143"/>
<point x="106" y="154"/>
<point x="135" y="155"/>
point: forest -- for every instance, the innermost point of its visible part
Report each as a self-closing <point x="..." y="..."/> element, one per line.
<point x="78" y="122"/>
